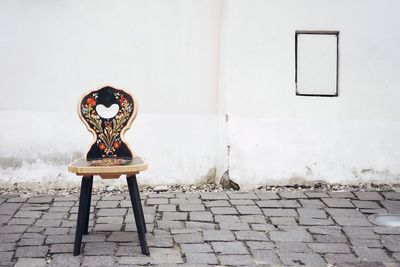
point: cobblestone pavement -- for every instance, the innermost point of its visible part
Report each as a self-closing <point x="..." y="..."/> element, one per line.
<point x="221" y="228"/>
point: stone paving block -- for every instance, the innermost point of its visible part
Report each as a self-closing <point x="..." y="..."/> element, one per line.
<point x="59" y="239"/>
<point x="337" y="202"/>
<point x="372" y="254"/>
<point x="391" y="195"/>
<point x="63" y="204"/>
<point x="291" y="235"/>
<point x="251" y="236"/>
<point x="31" y="252"/>
<point x="315" y="221"/>
<point x="345" y="194"/>
<point x="157" y="201"/>
<point x="31" y="241"/>
<point x="386" y="230"/>
<point x="280" y="212"/>
<point x="200" y="225"/>
<point x="112" y="212"/>
<point x="340" y="258"/>
<point x="283" y="221"/>
<point x="218" y="235"/>
<point x="312" y="213"/>
<point x="48" y="223"/>
<point x="61" y="248"/>
<point x="191" y="207"/>
<point x="302" y="259"/>
<point x="114" y="219"/>
<point x="262" y="257"/>
<point x="65" y="260"/>
<point x="360" y="233"/>
<point x="263" y="245"/>
<point x="368" y="195"/>
<point x="267" y="195"/>
<point x="312" y="203"/>
<point x="252" y="218"/>
<point x="165" y="256"/>
<point x="127" y="204"/>
<point x="188" y="238"/>
<point x="201" y="258"/>
<point x="5" y="218"/>
<point x="366" y="243"/>
<point x="22" y="221"/>
<point x="164" y="224"/>
<point x="234" y="226"/>
<point x="223" y="210"/>
<point x="129" y="249"/>
<point x="363" y="204"/>
<point x="196" y="248"/>
<point x="97" y="261"/>
<point x="329" y="248"/>
<point x="345" y="213"/>
<point x="391" y="242"/>
<point x="248" y="210"/>
<point x="213" y="195"/>
<point x="285" y="247"/>
<point x="107" y="227"/>
<point x="40" y="200"/>
<point x="140" y="260"/>
<point x="160" y="195"/>
<point x="59" y="209"/>
<point x="217" y="203"/>
<point x="121" y="237"/>
<point x="31" y="262"/>
<point x="28" y="214"/>
<point x="113" y="197"/>
<point x="166" y="207"/>
<point x="10" y="229"/>
<point x="107" y="204"/>
<point x="291" y="195"/>
<point x="314" y="194"/>
<point x="7" y="246"/>
<point x="235" y="248"/>
<point x="236" y="260"/>
<point x="55" y="215"/>
<point x="374" y="211"/>
<point x="6" y="256"/>
<point x="391" y="206"/>
<point x="242" y="202"/>
<point x="202" y="216"/>
<point x="100" y="248"/>
<point x="35" y="207"/>
<point x="227" y="218"/>
<point x="188" y="201"/>
<point x="160" y="241"/>
<point x="187" y="195"/>
<point x="175" y="216"/>
<point x="34" y="229"/>
<point x="242" y="196"/>
<point x="9" y="238"/>
<point x="330" y="239"/>
<point x="262" y="227"/>
<point x="15" y="200"/>
<point x="346" y="221"/>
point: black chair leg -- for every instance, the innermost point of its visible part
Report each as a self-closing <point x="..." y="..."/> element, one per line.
<point x="81" y="215"/>
<point x="138" y="212"/>
<point x="87" y="210"/>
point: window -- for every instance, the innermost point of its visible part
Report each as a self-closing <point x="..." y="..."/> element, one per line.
<point x="316" y="63"/>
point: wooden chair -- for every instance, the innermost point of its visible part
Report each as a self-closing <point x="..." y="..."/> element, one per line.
<point x="109" y="155"/>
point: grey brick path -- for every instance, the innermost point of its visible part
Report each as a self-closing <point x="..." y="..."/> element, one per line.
<point x="198" y="229"/>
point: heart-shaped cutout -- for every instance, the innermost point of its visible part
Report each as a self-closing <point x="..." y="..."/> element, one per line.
<point x="107" y="113"/>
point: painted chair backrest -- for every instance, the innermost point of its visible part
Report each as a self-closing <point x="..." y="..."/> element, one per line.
<point x="108" y="113"/>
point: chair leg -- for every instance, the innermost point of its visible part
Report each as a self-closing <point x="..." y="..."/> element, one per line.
<point x="87" y="210"/>
<point x="81" y="215"/>
<point x="137" y="209"/>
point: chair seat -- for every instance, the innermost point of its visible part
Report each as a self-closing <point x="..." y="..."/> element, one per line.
<point x="108" y="168"/>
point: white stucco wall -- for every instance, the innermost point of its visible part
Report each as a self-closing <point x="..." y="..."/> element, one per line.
<point x="190" y="63"/>
<point x="165" y="52"/>
<point x="276" y="136"/>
